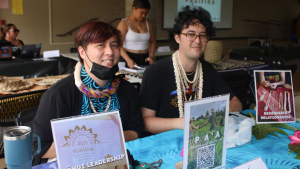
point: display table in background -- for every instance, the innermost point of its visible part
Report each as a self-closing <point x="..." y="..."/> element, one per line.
<point x="29" y="68"/>
<point x="12" y="103"/>
<point x="39" y="67"/>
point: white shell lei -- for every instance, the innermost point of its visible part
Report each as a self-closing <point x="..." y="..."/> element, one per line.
<point x="287" y="99"/>
<point x="182" y="81"/>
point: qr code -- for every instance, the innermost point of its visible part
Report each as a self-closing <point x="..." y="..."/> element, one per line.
<point x="206" y="156"/>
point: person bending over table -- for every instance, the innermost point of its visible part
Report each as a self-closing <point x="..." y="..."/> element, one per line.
<point x="273" y="79"/>
<point x="137" y="31"/>
<point x="93" y="87"/>
<point x="161" y="95"/>
<point x="10" y="34"/>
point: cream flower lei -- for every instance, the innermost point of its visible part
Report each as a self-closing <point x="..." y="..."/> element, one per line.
<point x="287" y="98"/>
<point x="182" y="81"/>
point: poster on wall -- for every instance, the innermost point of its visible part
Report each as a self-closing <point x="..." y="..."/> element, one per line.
<point x="205" y="133"/>
<point x="274" y="96"/>
<point x="213" y="6"/>
<point x="17" y="7"/>
<point x="4" y="4"/>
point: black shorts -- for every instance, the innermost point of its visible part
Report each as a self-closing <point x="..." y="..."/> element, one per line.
<point x="137" y="58"/>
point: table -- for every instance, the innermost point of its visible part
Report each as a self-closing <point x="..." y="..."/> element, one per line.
<point x="12" y="103"/>
<point x="2" y="163"/>
<point x="263" y="42"/>
<point x="167" y="146"/>
<point x="39" y="67"/>
<point x="29" y="68"/>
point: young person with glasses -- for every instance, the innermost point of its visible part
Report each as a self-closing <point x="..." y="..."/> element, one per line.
<point x="10" y="35"/>
<point x="170" y="82"/>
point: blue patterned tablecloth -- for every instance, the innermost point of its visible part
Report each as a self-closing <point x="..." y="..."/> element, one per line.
<point x="167" y="146"/>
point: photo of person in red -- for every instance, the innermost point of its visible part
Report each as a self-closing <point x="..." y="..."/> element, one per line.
<point x="274" y="96"/>
<point x="273" y="79"/>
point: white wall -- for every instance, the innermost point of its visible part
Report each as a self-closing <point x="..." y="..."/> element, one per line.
<point x="34" y="24"/>
<point x="67" y="14"/>
<point x="262" y="10"/>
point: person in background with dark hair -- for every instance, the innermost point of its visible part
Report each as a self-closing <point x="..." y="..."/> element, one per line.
<point x="93" y="87"/>
<point x="167" y="84"/>
<point x="10" y="34"/>
<point x="137" y="31"/>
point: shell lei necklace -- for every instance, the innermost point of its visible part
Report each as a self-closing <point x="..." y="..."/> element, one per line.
<point x="183" y="83"/>
<point x="107" y="106"/>
<point x="287" y="99"/>
<point x="91" y="93"/>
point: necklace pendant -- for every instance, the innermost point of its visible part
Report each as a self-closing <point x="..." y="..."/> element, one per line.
<point x="190" y="91"/>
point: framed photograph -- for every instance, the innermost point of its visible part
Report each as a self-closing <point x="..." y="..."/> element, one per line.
<point x="274" y="96"/>
<point x="90" y="141"/>
<point x="205" y="133"/>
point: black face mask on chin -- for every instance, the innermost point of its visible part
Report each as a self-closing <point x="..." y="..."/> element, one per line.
<point x="102" y="72"/>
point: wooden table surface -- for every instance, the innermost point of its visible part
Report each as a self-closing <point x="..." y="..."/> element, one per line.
<point x="2" y="163"/>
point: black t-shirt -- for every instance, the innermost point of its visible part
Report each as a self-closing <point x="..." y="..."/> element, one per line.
<point x="158" y="86"/>
<point x="15" y="50"/>
<point x="64" y="99"/>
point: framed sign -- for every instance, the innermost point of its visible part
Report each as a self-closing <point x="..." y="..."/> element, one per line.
<point x="90" y="141"/>
<point x="205" y="133"/>
<point x="274" y="96"/>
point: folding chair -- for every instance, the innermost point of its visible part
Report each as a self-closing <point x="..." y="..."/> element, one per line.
<point x="25" y="118"/>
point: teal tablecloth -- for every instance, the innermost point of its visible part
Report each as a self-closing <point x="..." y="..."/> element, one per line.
<point x="167" y="146"/>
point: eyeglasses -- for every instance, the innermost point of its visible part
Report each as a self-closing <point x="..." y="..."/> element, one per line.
<point x="192" y="37"/>
<point x="15" y="30"/>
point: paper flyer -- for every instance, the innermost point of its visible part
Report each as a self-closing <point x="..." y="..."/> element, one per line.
<point x="205" y="133"/>
<point x="90" y="141"/>
<point x="17" y="7"/>
<point x="274" y="96"/>
<point x="213" y="6"/>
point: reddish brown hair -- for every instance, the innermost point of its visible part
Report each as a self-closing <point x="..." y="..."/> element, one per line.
<point x="96" y="32"/>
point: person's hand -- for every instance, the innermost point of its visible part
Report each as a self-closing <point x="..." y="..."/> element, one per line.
<point x="273" y="86"/>
<point x="149" y="59"/>
<point x="266" y="83"/>
<point x="131" y="64"/>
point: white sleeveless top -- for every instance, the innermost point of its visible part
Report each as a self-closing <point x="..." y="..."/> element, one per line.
<point x="136" y="41"/>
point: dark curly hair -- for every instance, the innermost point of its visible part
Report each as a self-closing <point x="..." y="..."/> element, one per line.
<point x="185" y="18"/>
<point x="144" y="4"/>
